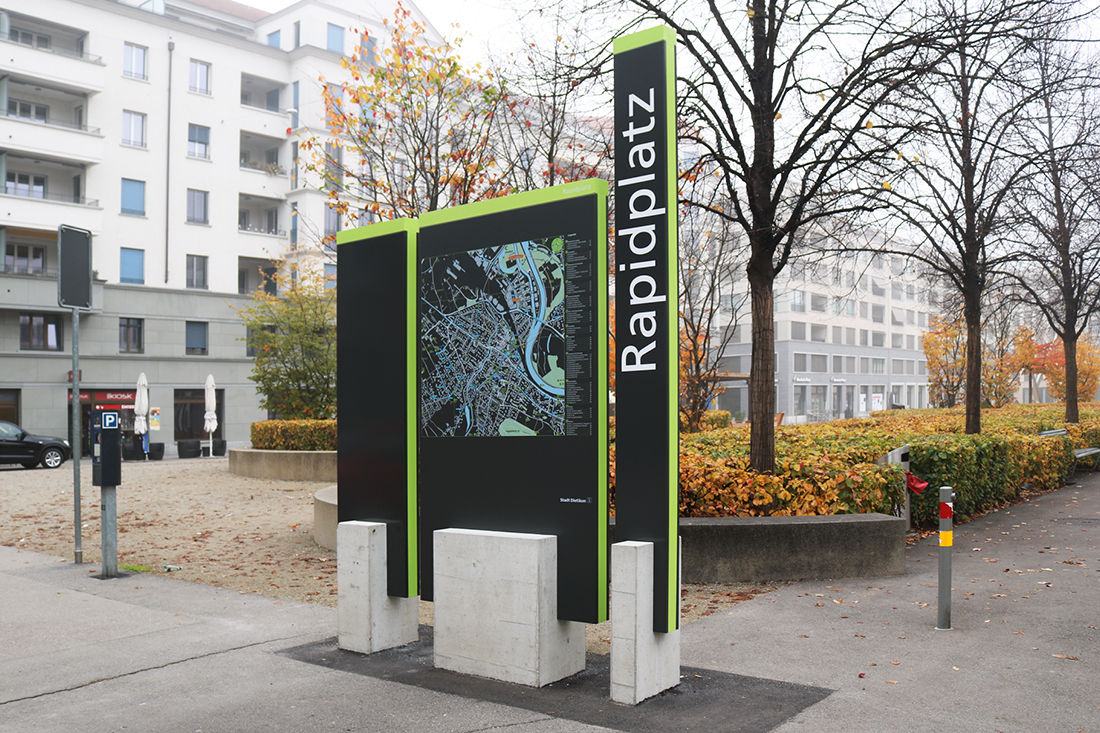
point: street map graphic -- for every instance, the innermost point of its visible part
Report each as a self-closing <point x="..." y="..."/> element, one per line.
<point x="492" y="333"/>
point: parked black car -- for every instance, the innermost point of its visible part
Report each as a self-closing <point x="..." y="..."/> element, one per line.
<point x="19" y="446"/>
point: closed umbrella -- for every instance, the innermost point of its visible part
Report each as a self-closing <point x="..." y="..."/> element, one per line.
<point x="210" y="419"/>
<point x="141" y="409"/>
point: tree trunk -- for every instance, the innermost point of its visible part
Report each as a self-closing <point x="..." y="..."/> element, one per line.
<point x="972" y="309"/>
<point x="1069" y="344"/>
<point x="762" y="375"/>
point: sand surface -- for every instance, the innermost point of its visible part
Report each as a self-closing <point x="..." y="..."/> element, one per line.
<point x="194" y="520"/>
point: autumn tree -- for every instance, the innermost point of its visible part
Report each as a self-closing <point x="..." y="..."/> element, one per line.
<point x="293" y="337"/>
<point x="412" y="130"/>
<point x="944" y="347"/>
<point x="1051" y="361"/>
<point x="1057" y="206"/>
<point x="1025" y="355"/>
<point x="952" y="186"/>
<point x="774" y="103"/>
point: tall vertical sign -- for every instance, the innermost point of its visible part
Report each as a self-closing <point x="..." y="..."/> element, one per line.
<point x="646" y="315"/>
<point x="376" y="364"/>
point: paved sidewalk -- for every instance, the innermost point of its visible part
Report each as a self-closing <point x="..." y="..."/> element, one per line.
<point x="148" y="653"/>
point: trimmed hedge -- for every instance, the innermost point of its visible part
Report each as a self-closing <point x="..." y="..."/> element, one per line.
<point x="294" y="435"/>
<point x="828" y="468"/>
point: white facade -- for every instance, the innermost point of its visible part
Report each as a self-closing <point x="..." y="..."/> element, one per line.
<point x="172" y="133"/>
<point x="847" y="339"/>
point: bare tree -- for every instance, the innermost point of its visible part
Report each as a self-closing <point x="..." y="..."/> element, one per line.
<point x="710" y="256"/>
<point x="1057" y="208"/>
<point x="953" y="187"/>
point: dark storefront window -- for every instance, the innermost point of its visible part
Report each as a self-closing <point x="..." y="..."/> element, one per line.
<point x="190" y="409"/>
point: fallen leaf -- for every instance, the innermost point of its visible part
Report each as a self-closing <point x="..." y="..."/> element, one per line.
<point x="1064" y="656"/>
<point x="891" y="682"/>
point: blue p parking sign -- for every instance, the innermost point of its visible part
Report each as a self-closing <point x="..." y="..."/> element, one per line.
<point x="110" y="421"/>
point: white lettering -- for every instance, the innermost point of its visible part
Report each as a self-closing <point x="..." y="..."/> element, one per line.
<point x="635" y="179"/>
<point x="631" y="130"/>
<point x="636" y="213"/>
<point x="647" y="323"/>
<point x="652" y="297"/>
<point x="646" y="153"/>
<point x="635" y="99"/>
<point x="637" y="365"/>
<point x="632" y="232"/>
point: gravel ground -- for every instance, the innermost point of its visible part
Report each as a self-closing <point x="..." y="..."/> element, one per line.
<point x="193" y="520"/>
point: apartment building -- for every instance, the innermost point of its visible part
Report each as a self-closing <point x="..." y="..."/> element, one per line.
<point x="847" y="338"/>
<point x="171" y="130"/>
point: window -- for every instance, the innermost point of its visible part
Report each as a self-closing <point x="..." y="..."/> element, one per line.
<point x="274" y="40"/>
<point x="330" y="275"/>
<point x="372" y="51"/>
<point x="838" y="306"/>
<point x="735" y="337"/>
<point x="838" y="335"/>
<point x="333" y="163"/>
<point x="878" y="313"/>
<point x="800" y="362"/>
<point x="196" y="338"/>
<point x="864" y="309"/>
<point x="897" y="366"/>
<point x="335" y="38"/>
<point x="294" y="166"/>
<point x="878" y="339"/>
<point x="910" y="292"/>
<point x="198" y="141"/>
<point x="25" y="259"/>
<point x="30" y="38"/>
<point x="897" y="316"/>
<point x="196" y="206"/>
<point x="40" y="331"/>
<point x="200" y="77"/>
<point x="910" y="366"/>
<point x="798" y="301"/>
<point x="133" y="128"/>
<point x="297" y="33"/>
<point x="850" y="364"/>
<point x="131" y="335"/>
<point x="131" y="266"/>
<point x="878" y="287"/>
<point x="332" y="222"/>
<point x="897" y="292"/>
<point x="133" y="197"/>
<point x="818" y="303"/>
<point x="196" y="272"/>
<point x="838" y="365"/>
<point x="910" y="342"/>
<point x="28" y="111"/>
<point x="800" y="400"/>
<point x="897" y="341"/>
<point x="850" y="336"/>
<point x="294" y="225"/>
<point x="864" y="337"/>
<point x="922" y="368"/>
<point x="798" y="331"/>
<point x="878" y="366"/>
<point x="25" y="184"/>
<point x="819" y="332"/>
<point x="922" y="319"/>
<point x="910" y="316"/>
<point x="819" y="363"/>
<point x="134" y="60"/>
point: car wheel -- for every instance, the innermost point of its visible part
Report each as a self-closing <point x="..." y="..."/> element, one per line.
<point x="52" y="458"/>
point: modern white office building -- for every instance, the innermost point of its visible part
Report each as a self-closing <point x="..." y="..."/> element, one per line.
<point x="171" y="131"/>
<point x="847" y="339"/>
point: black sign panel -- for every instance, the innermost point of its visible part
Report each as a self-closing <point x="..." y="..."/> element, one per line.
<point x="377" y="441"/>
<point x="512" y="415"/>
<point x="646" y="316"/>
<point x="74" y="269"/>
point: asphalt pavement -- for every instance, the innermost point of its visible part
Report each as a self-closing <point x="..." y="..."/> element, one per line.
<point x="148" y="653"/>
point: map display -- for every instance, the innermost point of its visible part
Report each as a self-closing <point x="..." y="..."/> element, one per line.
<point x="497" y="340"/>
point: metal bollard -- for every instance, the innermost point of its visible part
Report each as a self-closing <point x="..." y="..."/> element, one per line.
<point x="947" y="540"/>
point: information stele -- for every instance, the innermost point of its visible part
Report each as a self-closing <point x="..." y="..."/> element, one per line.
<point x="512" y="364"/>
<point x="646" y="316"/>
<point x="376" y="389"/>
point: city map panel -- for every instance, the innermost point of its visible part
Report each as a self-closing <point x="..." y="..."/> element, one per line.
<point x="497" y="341"/>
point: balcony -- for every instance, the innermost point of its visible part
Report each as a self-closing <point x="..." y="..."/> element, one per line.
<point x="38" y="292"/>
<point x="62" y="66"/>
<point x="45" y="210"/>
<point x="51" y="139"/>
<point x="259" y="215"/>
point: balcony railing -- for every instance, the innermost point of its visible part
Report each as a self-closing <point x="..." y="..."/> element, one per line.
<point x="63" y="198"/>
<point x="70" y="52"/>
<point x="52" y="123"/>
<point x="31" y="270"/>
<point x="262" y="230"/>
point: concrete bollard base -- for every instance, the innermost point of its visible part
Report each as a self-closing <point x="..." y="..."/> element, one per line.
<point x="369" y="620"/>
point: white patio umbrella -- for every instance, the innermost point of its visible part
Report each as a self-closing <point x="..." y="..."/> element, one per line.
<point x="141" y="408"/>
<point x="210" y="419"/>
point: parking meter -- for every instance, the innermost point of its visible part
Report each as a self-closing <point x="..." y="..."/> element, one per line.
<point x="106" y="453"/>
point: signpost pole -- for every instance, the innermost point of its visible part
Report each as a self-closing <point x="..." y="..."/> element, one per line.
<point x="78" y="554"/>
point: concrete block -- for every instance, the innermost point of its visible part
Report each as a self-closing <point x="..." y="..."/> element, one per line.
<point x="730" y="550"/>
<point x="643" y="663"/>
<point x="369" y="620"/>
<point x="325" y="517"/>
<point x="496" y="608"/>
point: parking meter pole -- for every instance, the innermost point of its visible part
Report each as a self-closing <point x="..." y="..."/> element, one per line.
<point x="947" y="540"/>
<point x="109" y="530"/>
<point x="78" y="550"/>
